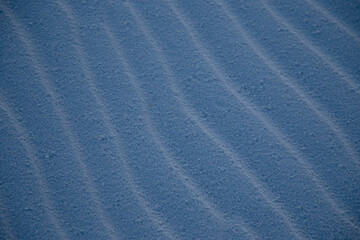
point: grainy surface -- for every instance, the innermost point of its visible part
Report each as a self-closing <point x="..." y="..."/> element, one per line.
<point x="180" y="119"/>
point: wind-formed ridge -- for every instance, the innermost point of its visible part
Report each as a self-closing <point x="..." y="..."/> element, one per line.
<point x="181" y="174"/>
<point x="90" y="78"/>
<point x="74" y="145"/>
<point x="349" y="80"/>
<point x="229" y="152"/>
<point x="35" y="163"/>
<point x="155" y="135"/>
<point x="307" y="167"/>
<point x="179" y="119"/>
<point x="312" y="104"/>
<point x="339" y="23"/>
<point x="288" y="81"/>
